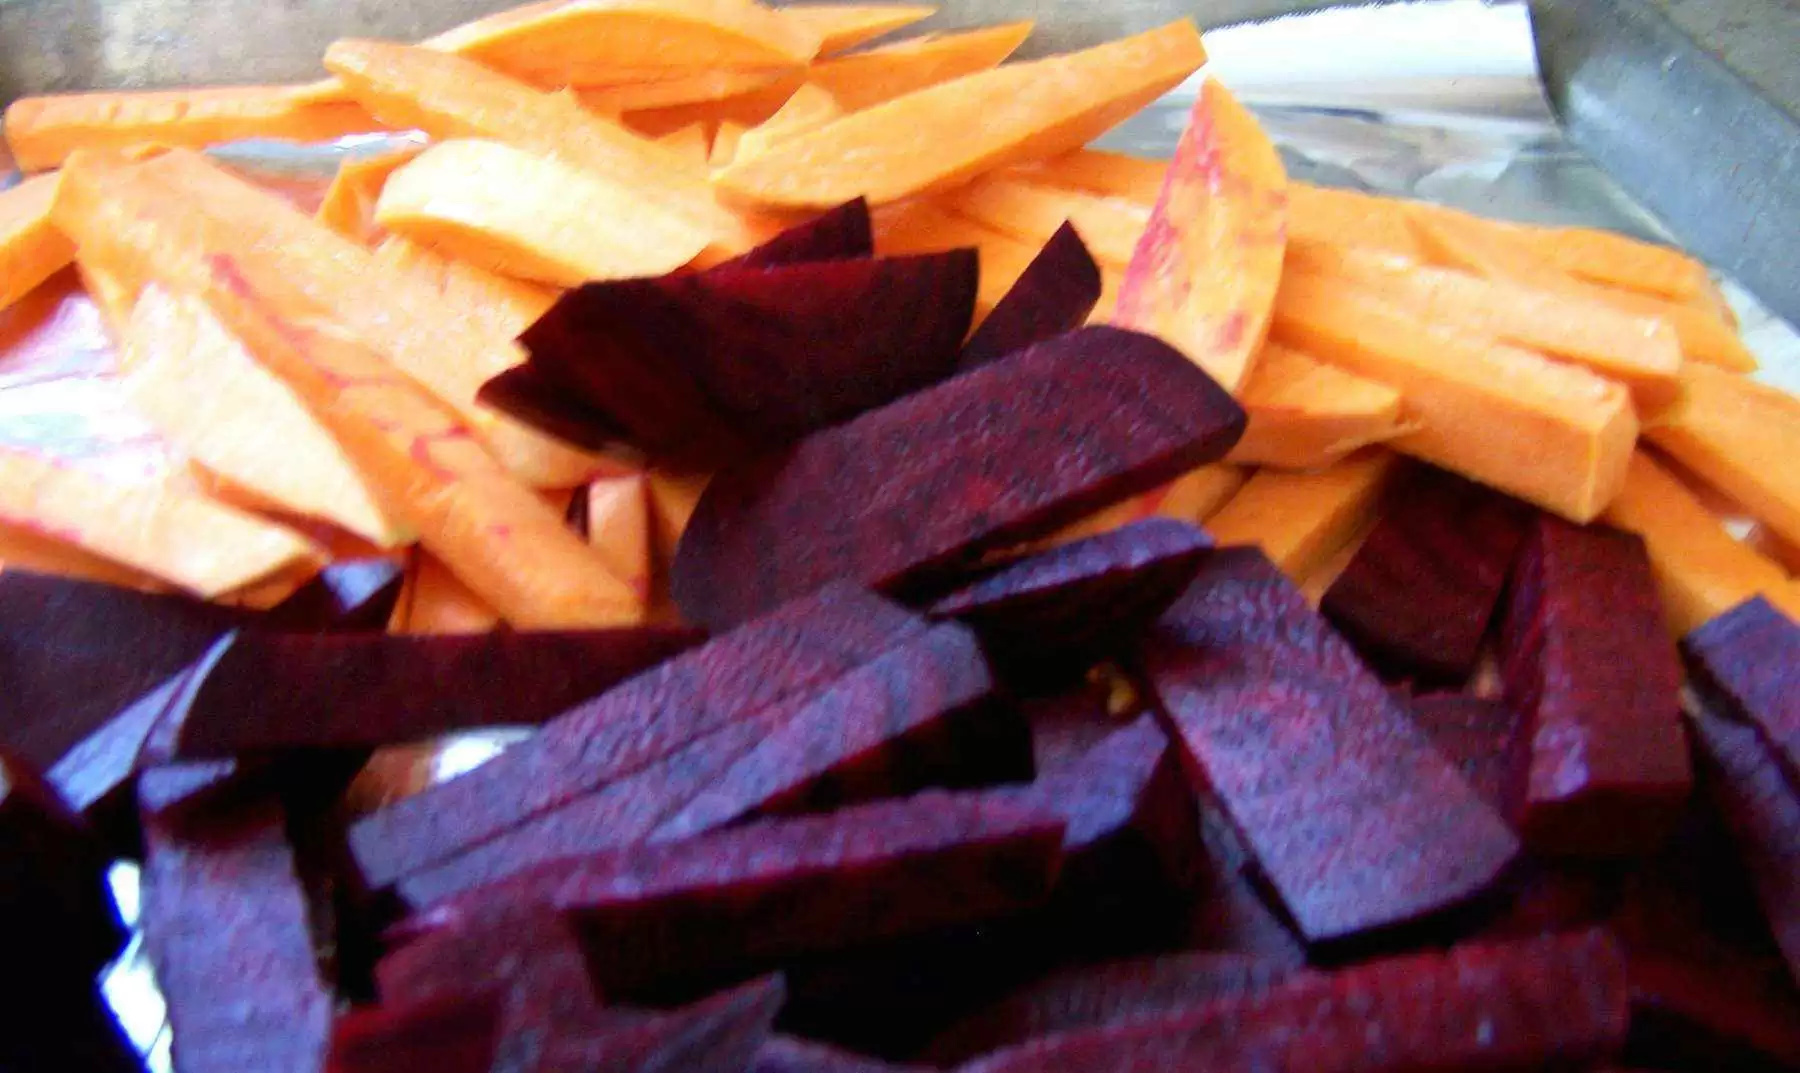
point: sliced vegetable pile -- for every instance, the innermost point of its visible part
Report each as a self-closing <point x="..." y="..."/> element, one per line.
<point x="810" y="449"/>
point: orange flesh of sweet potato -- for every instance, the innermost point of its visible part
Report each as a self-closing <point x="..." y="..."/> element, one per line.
<point x="533" y="217"/>
<point x="925" y="141"/>
<point x="1192" y="497"/>
<point x="1305" y="414"/>
<point x="1300" y="519"/>
<point x="673" y="495"/>
<point x="670" y="91"/>
<point x="183" y="201"/>
<point x="1349" y="218"/>
<point x="1743" y="438"/>
<point x="1554" y="435"/>
<point x="842" y="26"/>
<point x="247" y="427"/>
<point x="1615" y="260"/>
<point x="618" y="513"/>
<point x="1700" y="570"/>
<point x="43" y="131"/>
<point x="1641" y="352"/>
<point x="1101" y="172"/>
<point x="435" y="603"/>
<point x="349" y="205"/>
<point x="691" y="142"/>
<point x="112" y="294"/>
<point x="811" y="106"/>
<point x="487" y="303"/>
<point x="1768" y="543"/>
<point x="1109" y="227"/>
<point x="865" y="79"/>
<point x="31" y="248"/>
<point x="725" y="143"/>
<point x="747" y="108"/>
<point x="23" y="549"/>
<point x="922" y="227"/>
<point x="1205" y="273"/>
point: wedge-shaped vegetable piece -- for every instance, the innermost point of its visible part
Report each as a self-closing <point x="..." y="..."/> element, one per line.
<point x="41" y="553"/>
<point x="31" y="248"/>
<point x="1586" y="658"/>
<point x="224" y="909"/>
<point x="639" y="723"/>
<point x="533" y="217"/>
<point x="921" y="226"/>
<point x="1029" y="110"/>
<point x="1701" y="571"/>
<point x="686" y="912"/>
<point x="864" y="79"/>
<point x="1319" y="214"/>
<point x="1082" y="420"/>
<point x="1761" y="812"/>
<point x="1486" y="739"/>
<point x="1101" y="172"/>
<point x="1536" y="1004"/>
<point x="155" y="526"/>
<point x="169" y="219"/>
<point x="692" y="142"/>
<point x="713" y="365"/>
<point x="44" y="131"/>
<point x="787" y="1054"/>
<point x="349" y="205"/>
<point x="1305" y="414"/>
<point x="587" y="42"/>
<point x="1355" y="820"/>
<point x="1553" y="435"/>
<point x="656" y="89"/>
<point x="350" y="594"/>
<point x="473" y="296"/>
<point x="1419" y="595"/>
<point x="725" y="144"/>
<point x="1228" y="914"/>
<point x="1738" y="435"/>
<point x="1643" y="353"/>
<point x="842" y="26"/>
<point x="436" y="603"/>
<point x="1054" y="295"/>
<point x="616" y="517"/>
<point x="1620" y="261"/>
<point x="844" y="233"/>
<point x="746" y="107"/>
<point x="1206" y="270"/>
<point x="1300" y="519"/>
<point x="1110" y="227"/>
<point x="1746" y="661"/>
<point x="811" y="106"/>
<point x="248" y="426"/>
<point x="1072" y="604"/>
<point x="1107" y="994"/>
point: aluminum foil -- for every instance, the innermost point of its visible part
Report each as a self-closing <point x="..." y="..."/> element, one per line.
<point x="1437" y="100"/>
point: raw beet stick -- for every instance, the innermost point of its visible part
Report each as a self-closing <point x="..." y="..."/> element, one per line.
<point x="1486" y="740"/>
<point x="687" y="913"/>
<point x="999" y="455"/>
<point x="1056" y="293"/>
<point x="1748" y="662"/>
<point x="785" y="1054"/>
<point x="631" y="727"/>
<point x="1355" y="821"/>
<point x="844" y="233"/>
<point x="1554" y="1003"/>
<point x="1587" y="661"/>
<point x="1418" y="596"/>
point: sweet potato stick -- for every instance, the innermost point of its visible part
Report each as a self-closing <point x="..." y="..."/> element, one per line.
<point x="31" y="248"/>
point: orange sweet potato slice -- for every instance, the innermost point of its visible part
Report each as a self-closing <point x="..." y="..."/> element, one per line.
<point x="1740" y="436"/>
<point x="618" y="527"/>
<point x="1205" y="273"/>
<point x="921" y="226"/>
<point x="725" y="143"/>
<point x="1101" y="172"/>
<point x="1552" y="434"/>
<point x="1300" y="520"/>
<point x="865" y="79"/>
<point x="673" y="90"/>
<point x="436" y="603"/>
<point x="349" y="205"/>
<point x="193" y="207"/>
<point x="842" y="26"/>
<point x="1616" y="260"/>
<point x="1351" y="218"/>
<point x="746" y="107"/>
<point x="487" y="303"/>
<point x="1027" y="110"/>
<point x="811" y="106"/>
<point x="1109" y="227"/>
<point x="533" y="217"/>
<point x="692" y="142"/>
<point x="31" y="248"/>
<point x="1305" y="414"/>
<point x="1700" y="570"/>
<point x="43" y="131"/>
<point x="247" y="426"/>
<point x="113" y="295"/>
<point x="24" y="549"/>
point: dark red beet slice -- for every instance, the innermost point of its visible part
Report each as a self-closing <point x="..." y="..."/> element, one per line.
<point x="684" y="913"/>
<point x="631" y="727"/>
<point x="1761" y="810"/>
<point x="528" y="394"/>
<point x="844" y="233"/>
<point x="1486" y="740"/>
<point x="1419" y="594"/>
<point x="351" y="594"/>
<point x="1064" y="726"/>
<point x="225" y="923"/>
<point x="1747" y="662"/>
<point x="1104" y="995"/>
<point x="715" y="1035"/>
<point x="1056" y="293"/>
<point x="455" y="1034"/>
<point x="1587" y="661"/>
<point x="1559" y="1002"/>
<point x="268" y="692"/>
<point x="1055" y="610"/>
<point x="706" y="366"/>
<point x="785" y="1054"/>
<point x="993" y="457"/>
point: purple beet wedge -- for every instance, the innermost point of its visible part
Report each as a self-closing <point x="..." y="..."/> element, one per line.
<point x="351" y="594"/>
<point x="1554" y="1003"/>
<point x="786" y="1054"/>
<point x="527" y="393"/>
<point x="456" y="1034"/>
<point x="1587" y="661"/>
<point x="1487" y="741"/>
<point x="843" y="234"/>
<point x="1056" y="293"/>
<point x="1073" y="604"/>
<point x="1418" y="596"/>
<point x="706" y="367"/>
<point x="679" y="915"/>
<point x="1065" y="725"/>
<point x="632" y="727"/>
<point x="1747" y="663"/>
<point x="917" y="489"/>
